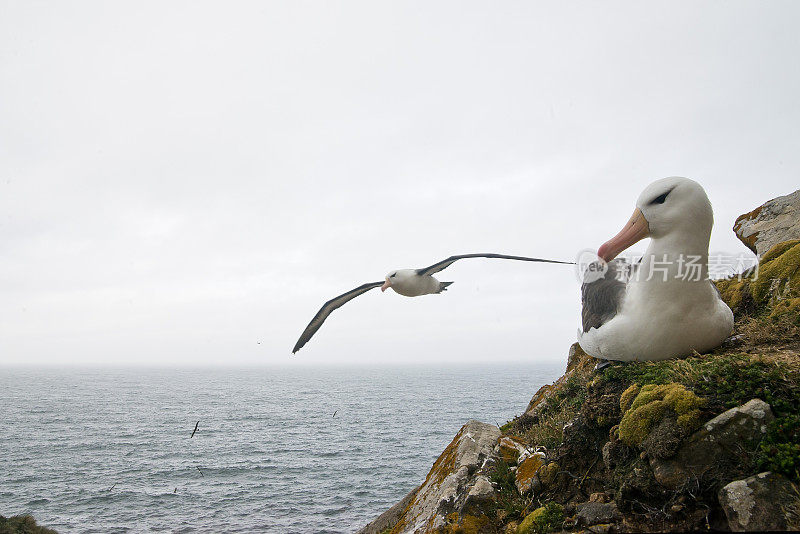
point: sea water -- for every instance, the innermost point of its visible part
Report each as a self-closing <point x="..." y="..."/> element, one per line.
<point x="109" y="450"/>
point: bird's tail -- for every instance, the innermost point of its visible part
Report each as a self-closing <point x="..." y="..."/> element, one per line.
<point x="443" y="286"/>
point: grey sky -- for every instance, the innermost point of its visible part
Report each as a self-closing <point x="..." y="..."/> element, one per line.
<point x="180" y="181"/>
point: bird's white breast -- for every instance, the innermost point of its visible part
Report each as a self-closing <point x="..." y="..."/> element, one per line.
<point x="414" y="285"/>
<point x="662" y="316"/>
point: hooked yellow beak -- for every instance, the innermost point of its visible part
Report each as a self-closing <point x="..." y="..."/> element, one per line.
<point x="636" y="229"/>
<point x="386" y="285"/>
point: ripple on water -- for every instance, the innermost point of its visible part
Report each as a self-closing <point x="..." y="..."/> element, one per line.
<point x="269" y="462"/>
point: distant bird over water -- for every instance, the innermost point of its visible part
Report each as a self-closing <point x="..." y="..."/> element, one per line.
<point x="197" y="424"/>
<point x="406" y="282"/>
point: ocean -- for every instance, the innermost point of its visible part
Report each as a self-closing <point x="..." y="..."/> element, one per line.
<point x="109" y="450"/>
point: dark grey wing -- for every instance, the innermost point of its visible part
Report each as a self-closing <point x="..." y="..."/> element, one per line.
<point x="327" y="309"/>
<point x="602" y="295"/>
<point x="444" y="264"/>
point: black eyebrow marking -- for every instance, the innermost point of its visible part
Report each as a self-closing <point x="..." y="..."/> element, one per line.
<point x="660" y="199"/>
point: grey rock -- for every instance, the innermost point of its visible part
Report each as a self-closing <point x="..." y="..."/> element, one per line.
<point x="481" y="491"/>
<point x="595" y="513"/>
<point x="766" y="501"/>
<point x="717" y="448"/>
<point x="773" y="222"/>
<point x="457" y="480"/>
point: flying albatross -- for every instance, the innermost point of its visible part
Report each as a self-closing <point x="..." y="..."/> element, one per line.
<point x="665" y="306"/>
<point x="406" y="282"/>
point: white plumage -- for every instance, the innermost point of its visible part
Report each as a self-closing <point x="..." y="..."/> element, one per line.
<point x="406" y="282"/>
<point x="668" y="307"/>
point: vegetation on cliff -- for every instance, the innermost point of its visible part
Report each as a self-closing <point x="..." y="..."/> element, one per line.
<point x="22" y="524"/>
<point x="606" y="430"/>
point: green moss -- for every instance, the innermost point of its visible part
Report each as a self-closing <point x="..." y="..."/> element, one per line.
<point x="545" y="519"/>
<point x="787" y="309"/>
<point x="778" y="271"/>
<point x="690" y="420"/>
<point x="778" y="250"/>
<point x="652" y="403"/>
<point x="734" y="292"/>
<point x="777" y="277"/>
<point x="636" y="424"/>
<point x="626" y="399"/>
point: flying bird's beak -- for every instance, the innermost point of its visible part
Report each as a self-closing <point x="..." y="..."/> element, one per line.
<point x="386" y="285"/>
<point x="636" y="229"/>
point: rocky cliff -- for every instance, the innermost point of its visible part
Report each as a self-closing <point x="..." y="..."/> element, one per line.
<point x="711" y="441"/>
<point x="22" y="524"/>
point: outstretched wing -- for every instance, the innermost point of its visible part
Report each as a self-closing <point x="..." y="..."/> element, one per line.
<point x="602" y="295"/>
<point x="444" y="264"/>
<point x="327" y="309"/>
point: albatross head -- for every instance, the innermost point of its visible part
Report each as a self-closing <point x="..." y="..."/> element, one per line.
<point x="670" y="207"/>
<point x="398" y="280"/>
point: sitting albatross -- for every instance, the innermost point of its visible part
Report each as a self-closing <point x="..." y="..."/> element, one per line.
<point x="406" y="282"/>
<point x="665" y="306"/>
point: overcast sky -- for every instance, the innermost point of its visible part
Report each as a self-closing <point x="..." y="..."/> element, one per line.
<point x="180" y="182"/>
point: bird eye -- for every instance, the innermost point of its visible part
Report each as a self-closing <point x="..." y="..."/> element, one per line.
<point x="393" y="275"/>
<point x="660" y="198"/>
